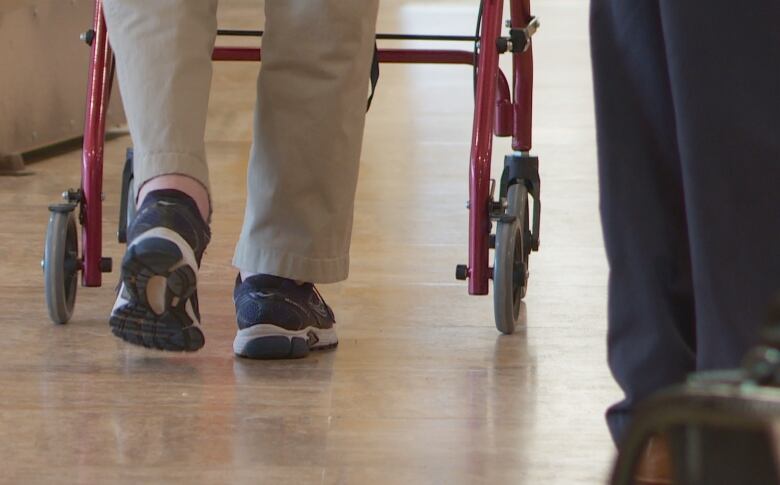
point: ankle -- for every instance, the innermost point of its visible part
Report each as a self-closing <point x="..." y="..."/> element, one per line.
<point x="188" y="185"/>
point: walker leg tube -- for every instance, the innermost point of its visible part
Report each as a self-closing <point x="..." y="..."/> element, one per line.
<point x="98" y="92"/>
<point x="481" y="146"/>
<point x="523" y="66"/>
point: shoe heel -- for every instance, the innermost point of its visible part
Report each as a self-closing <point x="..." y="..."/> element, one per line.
<point x="147" y="259"/>
<point x="274" y="347"/>
<point x="181" y="284"/>
<point x="167" y="324"/>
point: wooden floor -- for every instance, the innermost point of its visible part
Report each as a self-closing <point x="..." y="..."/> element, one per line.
<point x="422" y="389"/>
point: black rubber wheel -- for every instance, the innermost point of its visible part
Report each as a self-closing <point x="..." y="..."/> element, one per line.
<point x="510" y="268"/>
<point x="60" y="265"/>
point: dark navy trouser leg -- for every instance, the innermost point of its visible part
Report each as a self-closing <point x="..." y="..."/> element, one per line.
<point x="724" y="66"/>
<point x="689" y="161"/>
<point x="651" y="307"/>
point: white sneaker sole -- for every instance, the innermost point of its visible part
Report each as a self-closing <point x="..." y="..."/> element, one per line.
<point x="266" y="341"/>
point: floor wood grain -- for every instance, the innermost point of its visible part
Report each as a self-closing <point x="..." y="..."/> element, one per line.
<point x="422" y="389"/>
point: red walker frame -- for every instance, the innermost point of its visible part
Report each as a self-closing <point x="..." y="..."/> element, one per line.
<point x="497" y="112"/>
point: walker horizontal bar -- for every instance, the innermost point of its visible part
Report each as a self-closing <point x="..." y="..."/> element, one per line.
<point x="448" y="38"/>
<point x="438" y="38"/>
<point x="423" y="56"/>
<point x="387" y="56"/>
<point x="240" y="33"/>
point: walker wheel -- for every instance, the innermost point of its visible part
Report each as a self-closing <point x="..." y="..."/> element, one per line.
<point x="60" y="263"/>
<point x="510" y="269"/>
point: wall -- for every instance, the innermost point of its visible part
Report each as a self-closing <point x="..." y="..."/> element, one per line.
<point x="43" y="73"/>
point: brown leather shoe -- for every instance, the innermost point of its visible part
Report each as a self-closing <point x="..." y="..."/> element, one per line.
<point x="655" y="466"/>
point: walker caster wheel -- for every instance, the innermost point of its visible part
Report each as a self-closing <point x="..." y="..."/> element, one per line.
<point x="61" y="263"/>
<point x="510" y="269"/>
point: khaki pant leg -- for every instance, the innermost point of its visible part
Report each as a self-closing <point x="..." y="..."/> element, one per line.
<point x="163" y="54"/>
<point x="309" y="120"/>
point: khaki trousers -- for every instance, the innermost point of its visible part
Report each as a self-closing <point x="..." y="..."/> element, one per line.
<point x="308" y="127"/>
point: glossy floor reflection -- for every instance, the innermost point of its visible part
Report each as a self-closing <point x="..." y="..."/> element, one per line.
<point x="422" y="389"/>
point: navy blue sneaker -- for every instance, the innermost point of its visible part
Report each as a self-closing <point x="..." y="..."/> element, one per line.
<point x="157" y="302"/>
<point x="280" y="319"/>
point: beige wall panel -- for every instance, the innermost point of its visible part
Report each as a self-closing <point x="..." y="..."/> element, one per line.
<point x="43" y="73"/>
